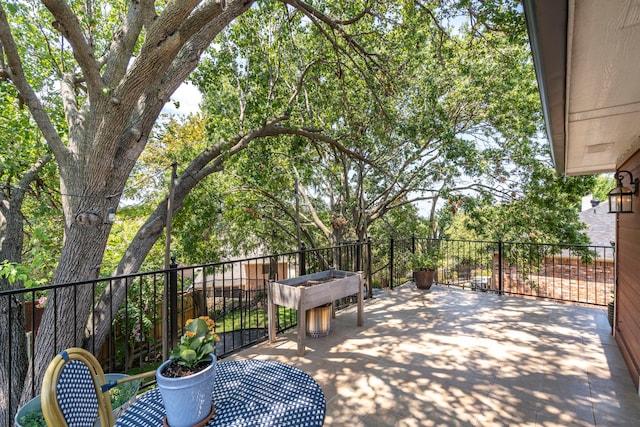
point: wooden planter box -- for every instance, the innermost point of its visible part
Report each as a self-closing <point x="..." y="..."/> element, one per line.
<point x="309" y="291"/>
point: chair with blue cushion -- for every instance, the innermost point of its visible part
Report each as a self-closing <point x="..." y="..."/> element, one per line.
<point x="75" y="392"/>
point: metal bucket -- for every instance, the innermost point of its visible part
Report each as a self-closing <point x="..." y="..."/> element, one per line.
<point x="319" y="321"/>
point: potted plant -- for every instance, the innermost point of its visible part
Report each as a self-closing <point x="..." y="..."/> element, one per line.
<point x="424" y="263"/>
<point x="186" y="379"/>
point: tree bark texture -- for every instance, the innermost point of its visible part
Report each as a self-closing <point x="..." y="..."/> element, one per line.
<point x="13" y="355"/>
<point x="109" y="119"/>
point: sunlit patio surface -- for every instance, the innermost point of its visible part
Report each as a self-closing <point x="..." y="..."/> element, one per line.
<point x="447" y="357"/>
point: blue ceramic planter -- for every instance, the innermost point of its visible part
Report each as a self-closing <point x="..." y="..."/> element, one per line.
<point x="187" y="400"/>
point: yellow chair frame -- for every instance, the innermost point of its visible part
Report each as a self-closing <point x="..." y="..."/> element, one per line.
<point x="51" y="400"/>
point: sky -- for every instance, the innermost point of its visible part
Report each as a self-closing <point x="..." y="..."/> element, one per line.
<point x="189" y="99"/>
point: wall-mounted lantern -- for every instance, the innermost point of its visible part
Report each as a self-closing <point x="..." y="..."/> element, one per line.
<point x="620" y="198"/>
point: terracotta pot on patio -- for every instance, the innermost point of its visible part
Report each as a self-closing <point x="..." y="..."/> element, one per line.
<point x="424" y="279"/>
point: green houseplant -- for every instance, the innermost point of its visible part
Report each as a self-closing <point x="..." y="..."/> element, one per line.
<point x="424" y="263"/>
<point x="186" y="379"/>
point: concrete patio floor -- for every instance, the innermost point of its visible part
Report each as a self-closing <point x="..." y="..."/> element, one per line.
<point x="446" y="357"/>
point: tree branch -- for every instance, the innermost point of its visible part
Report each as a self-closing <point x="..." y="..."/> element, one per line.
<point x="317" y="18"/>
<point x="314" y="214"/>
<point x="68" y="25"/>
<point x="123" y="43"/>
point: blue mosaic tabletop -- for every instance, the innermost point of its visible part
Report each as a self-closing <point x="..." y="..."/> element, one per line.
<point x="246" y="393"/>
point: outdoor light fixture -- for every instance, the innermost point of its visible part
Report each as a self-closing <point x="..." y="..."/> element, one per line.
<point x="620" y="198"/>
<point x="111" y="215"/>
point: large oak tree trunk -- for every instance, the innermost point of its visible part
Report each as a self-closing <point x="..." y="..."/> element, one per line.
<point x="61" y="327"/>
<point x="108" y="129"/>
<point x="13" y="355"/>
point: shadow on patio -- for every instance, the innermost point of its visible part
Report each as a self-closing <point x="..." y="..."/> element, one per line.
<point x="446" y="357"/>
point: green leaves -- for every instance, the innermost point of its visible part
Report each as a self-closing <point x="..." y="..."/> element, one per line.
<point x="19" y="272"/>
<point x="187" y="356"/>
<point x="197" y="342"/>
<point x="440" y="101"/>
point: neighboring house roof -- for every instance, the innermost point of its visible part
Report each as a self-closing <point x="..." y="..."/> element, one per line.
<point x="601" y="225"/>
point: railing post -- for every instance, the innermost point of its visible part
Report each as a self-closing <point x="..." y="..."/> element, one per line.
<point x="273" y="268"/>
<point x="302" y="259"/>
<point x="359" y="256"/>
<point x="500" y="261"/>
<point x="391" y="263"/>
<point x="173" y="301"/>
<point x="368" y="264"/>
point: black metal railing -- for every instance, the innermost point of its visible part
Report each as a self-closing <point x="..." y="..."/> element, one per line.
<point x="582" y="274"/>
<point x="232" y="293"/>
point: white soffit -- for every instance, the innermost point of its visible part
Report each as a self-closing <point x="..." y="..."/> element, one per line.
<point x="603" y="84"/>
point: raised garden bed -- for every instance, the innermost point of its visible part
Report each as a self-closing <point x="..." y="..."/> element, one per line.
<point x="309" y="291"/>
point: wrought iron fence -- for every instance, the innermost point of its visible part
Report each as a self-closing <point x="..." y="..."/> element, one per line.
<point x="580" y="274"/>
<point x="232" y="293"/>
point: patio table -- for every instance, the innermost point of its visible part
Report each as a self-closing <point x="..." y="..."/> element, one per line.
<point x="246" y="393"/>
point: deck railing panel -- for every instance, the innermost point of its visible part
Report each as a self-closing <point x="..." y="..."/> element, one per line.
<point x="582" y="274"/>
<point x="233" y="293"/>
